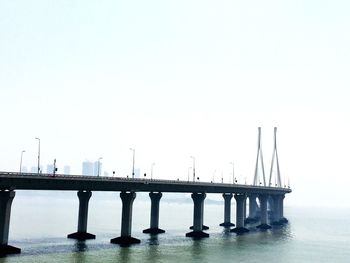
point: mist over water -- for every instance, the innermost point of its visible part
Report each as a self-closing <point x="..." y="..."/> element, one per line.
<point x="40" y="222"/>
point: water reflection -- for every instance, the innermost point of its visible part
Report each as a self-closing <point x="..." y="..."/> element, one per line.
<point x="153" y="240"/>
<point x="124" y="254"/>
<point x="197" y="249"/>
<point x="80" y="246"/>
<point x="153" y="254"/>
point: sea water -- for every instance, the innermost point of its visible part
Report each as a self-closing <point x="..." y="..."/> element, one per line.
<point x="40" y="222"/>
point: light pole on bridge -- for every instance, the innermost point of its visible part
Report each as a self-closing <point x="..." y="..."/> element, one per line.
<point x="188" y="173"/>
<point x="152" y="170"/>
<point x="233" y="172"/>
<point x="38" y="153"/>
<point x="133" y="162"/>
<point x="20" y="165"/>
<point x="194" y="168"/>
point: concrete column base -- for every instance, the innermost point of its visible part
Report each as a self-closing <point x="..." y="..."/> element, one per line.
<point x="7" y="250"/>
<point x="81" y="236"/>
<point x="153" y="231"/>
<point x="125" y="241"/>
<point x="251" y="220"/>
<point x="227" y="224"/>
<point x="239" y="230"/>
<point x="203" y="227"/>
<point x="280" y="222"/>
<point x="197" y="234"/>
<point x="284" y="220"/>
<point x="263" y="226"/>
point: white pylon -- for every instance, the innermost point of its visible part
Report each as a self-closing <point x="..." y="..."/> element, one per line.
<point x="275" y="156"/>
<point x="259" y="154"/>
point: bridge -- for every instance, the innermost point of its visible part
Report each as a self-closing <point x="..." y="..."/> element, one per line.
<point x="84" y="185"/>
<point x="260" y="197"/>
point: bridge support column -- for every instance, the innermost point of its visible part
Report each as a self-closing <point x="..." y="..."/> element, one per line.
<point x="6" y="198"/>
<point x="276" y="210"/>
<point x="125" y="238"/>
<point x="283" y="220"/>
<point x="82" y="234"/>
<point x="253" y="208"/>
<point x="263" y="217"/>
<point x="227" y="210"/>
<point x="240" y="201"/>
<point x="154" y="226"/>
<point x="198" y="203"/>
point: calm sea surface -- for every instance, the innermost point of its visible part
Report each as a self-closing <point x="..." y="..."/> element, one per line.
<point x="40" y="222"/>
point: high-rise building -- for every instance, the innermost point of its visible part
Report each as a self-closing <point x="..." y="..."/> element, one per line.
<point x="88" y="168"/>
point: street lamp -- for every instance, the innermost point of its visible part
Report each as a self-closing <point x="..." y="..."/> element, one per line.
<point x="133" y="162"/>
<point x="98" y="166"/>
<point x="20" y="164"/>
<point x="38" y="154"/>
<point x="152" y="170"/>
<point x="194" y="168"/>
<point x="188" y="173"/>
<point x="233" y="172"/>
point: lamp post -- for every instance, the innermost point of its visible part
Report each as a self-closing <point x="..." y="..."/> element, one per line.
<point x="38" y="153"/>
<point x="233" y="172"/>
<point x="152" y="170"/>
<point x="133" y="162"/>
<point x="20" y="164"/>
<point x="194" y="168"/>
<point x="98" y="166"/>
<point x="188" y="173"/>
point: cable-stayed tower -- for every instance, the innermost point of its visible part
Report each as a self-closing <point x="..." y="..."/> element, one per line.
<point x="275" y="157"/>
<point x="259" y="157"/>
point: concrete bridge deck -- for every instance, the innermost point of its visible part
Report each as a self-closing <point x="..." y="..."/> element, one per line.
<point x="30" y="181"/>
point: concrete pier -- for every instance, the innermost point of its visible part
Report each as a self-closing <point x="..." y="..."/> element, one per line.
<point x="198" y="208"/>
<point x="253" y="209"/>
<point x="282" y="219"/>
<point x="263" y="217"/>
<point x="227" y="210"/>
<point x="154" y="225"/>
<point x="6" y="198"/>
<point x="276" y="210"/>
<point x="240" y="202"/>
<point x="125" y="238"/>
<point x="82" y="234"/>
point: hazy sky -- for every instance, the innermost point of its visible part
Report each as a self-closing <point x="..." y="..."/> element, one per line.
<point x="179" y="78"/>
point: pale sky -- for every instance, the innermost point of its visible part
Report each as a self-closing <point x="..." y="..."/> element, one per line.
<point x="175" y="79"/>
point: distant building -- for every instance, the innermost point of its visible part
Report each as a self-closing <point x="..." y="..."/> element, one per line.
<point x="66" y="169"/>
<point x="97" y="169"/>
<point x="91" y="168"/>
<point x="88" y="168"/>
